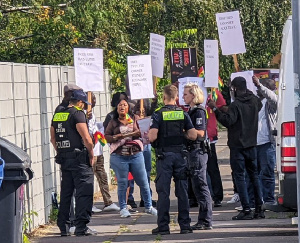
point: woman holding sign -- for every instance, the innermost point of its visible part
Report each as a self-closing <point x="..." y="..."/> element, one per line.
<point x="197" y="156"/>
<point x="127" y="156"/>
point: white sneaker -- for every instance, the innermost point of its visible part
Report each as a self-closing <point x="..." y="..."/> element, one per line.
<point x="151" y="210"/>
<point x="72" y="230"/>
<point x="240" y="208"/>
<point x="125" y="213"/>
<point x="96" y="210"/>
<point x="235" y="198"/>
<point x="111" y="207"/>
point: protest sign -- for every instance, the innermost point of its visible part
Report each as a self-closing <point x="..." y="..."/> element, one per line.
<point x="230" y="33"/>
<point x="248" y="76"/>
<point x="195" y="80"/>
<point x="140" y="77"/>
<point x="89" y="69"/>
<point x="183" y="63"/>
<point x="211" y="52"/>
<point x="157" y="52"/>
<point x="144" y="126"/>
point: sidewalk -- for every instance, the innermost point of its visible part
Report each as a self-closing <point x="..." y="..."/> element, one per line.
<point x="112" y="228"/>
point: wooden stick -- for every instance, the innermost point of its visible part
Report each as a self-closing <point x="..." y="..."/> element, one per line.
<point x="155" y="84"/>
<point x="236" y="64"/>
<point x="142" y="108"/>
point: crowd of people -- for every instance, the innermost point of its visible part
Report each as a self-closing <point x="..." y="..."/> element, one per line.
<point x="184" y="140"/>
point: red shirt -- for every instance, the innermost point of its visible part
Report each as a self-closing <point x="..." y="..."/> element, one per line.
<point x="212" y="130"/>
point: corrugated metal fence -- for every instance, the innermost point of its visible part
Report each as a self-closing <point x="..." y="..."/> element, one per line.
<point x="29" y="95"/>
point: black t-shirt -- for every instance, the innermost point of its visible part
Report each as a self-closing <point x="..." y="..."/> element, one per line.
<point x="198" y="118"/>
<point x="157" y="119"/>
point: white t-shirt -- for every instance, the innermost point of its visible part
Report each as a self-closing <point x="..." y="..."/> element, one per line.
<point x="263" y="133"/>
<point x="95" y="126"/>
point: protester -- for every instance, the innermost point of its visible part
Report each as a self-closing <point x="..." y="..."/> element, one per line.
<point x="241" y="119"/>
<point x="197" y="156"/>
<point x="166" y="131"/>
<point x="213" y="170"/>
<point x="126" y="156"/>
<point x="68" y="91"/>
<point x="71" y="139"/>
<point x="148" y="109"/>
<point x="266" y="153"/>
<point x="98" y="166"/>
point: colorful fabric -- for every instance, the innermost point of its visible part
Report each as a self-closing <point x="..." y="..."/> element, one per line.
<point x="220" y="83"/>
<point x="99" y="137"/>
<point x="201" y="72"/>
<point x="129" y="119"/>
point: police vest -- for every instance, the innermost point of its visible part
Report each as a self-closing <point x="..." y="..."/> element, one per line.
<point x="170" y="132"/>
<point x="66" y="135"/>
<point x="191" y="113"/>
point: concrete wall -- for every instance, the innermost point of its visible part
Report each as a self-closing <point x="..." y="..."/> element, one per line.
<point x="29" y="95"/>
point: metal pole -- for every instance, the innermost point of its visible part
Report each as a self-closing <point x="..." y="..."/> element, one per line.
<point x="296" y="55"/>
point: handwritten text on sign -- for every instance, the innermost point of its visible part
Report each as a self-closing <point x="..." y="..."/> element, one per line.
<point x="140" y="77"/>
<point x="89" y="69"/>
<point x="157" y="52"/>
<point x="211" y="63"/>
<point x="230" y="33"/>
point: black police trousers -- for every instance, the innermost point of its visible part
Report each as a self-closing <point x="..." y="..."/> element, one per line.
<point x="76" y="174"/>
<point x="168" y="165"/>
<point x="197" y="163"/>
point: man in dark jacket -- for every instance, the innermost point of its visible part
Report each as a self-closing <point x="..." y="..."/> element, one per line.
<point x="241" y="121"/>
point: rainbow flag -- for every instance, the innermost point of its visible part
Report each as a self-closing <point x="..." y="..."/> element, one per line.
<point x="201" y="72"/>
<point x="99" y="137"/>
<point x="129" y="119"/>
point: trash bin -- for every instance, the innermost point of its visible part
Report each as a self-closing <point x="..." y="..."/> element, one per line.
<point x="17" y="172"/>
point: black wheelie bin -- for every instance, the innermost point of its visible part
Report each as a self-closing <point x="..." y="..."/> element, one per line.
<point x="16" y="171"/>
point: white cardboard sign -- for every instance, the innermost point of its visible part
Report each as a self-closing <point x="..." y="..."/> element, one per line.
<point x="195" y="80"/>
<point x="89" y="69"/>
<point x="248" y="76"/>
<point x="230" y="33"/>
<point x="140" y="77"/>
<point x="157" y="52"/>
<point x="211" y="52"/>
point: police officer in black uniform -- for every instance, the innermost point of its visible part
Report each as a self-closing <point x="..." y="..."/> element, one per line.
<point x="167" y="130"/>
<point x="197" y="156"/>
<point x="73" y="144"/>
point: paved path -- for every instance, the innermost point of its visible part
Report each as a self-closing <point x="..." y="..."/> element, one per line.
<point x="275" y="228"/>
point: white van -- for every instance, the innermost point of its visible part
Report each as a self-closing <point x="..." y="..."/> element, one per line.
<point x="286" y="140"/>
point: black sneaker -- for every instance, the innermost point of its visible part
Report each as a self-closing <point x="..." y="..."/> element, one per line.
<point x="217" y="203"/>
<point x="157" y="231"/>
<point x="86" y="232"/>
<point x="259" y="214"/>
<point x="63" y="233"/>
<point x="131" y="203"/>
<point x="201" y="226"/>
<point x="186" y="231"/>
<point x="244" y="215"/>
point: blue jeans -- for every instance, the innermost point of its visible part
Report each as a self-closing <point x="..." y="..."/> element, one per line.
<point x="242" y="161"/>
<point x="266" y="158"/>
<point x="148" y="166"/>
<point x="134" y="164"/>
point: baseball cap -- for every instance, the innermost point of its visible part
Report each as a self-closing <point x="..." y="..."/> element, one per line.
<point x="80" y="95"/>
<point x="71" y="87"/>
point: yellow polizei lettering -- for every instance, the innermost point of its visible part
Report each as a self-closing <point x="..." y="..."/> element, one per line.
<point x="173" y="115"/>
<point x="61" y="116"/>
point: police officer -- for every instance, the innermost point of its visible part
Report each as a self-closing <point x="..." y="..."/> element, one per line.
<point x="167" y="130"/>
<point x="197" y="156"/>
<point x="73" y="144"/>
